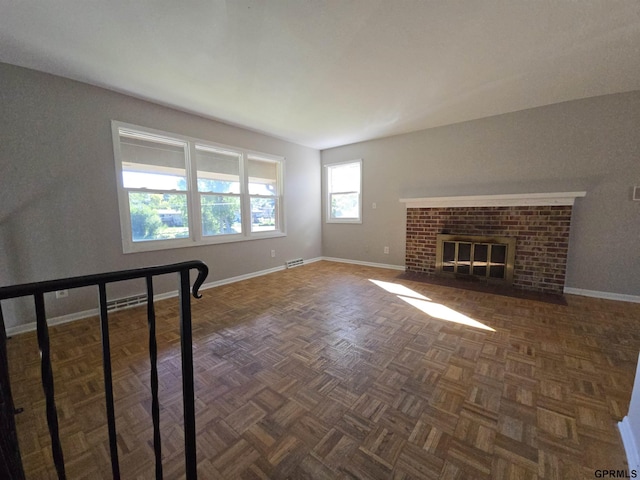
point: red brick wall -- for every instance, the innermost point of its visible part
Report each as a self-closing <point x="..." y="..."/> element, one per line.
<point x="542" y="239"/>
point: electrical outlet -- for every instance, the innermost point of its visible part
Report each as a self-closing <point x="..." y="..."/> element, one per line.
<point x="62" y="293"/>
<point x="273" y="254"/>
<point x="386" y="250"/>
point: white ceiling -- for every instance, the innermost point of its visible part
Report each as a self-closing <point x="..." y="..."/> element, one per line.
<point x="325" y="73"/>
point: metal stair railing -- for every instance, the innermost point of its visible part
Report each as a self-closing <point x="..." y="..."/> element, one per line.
<point x="10" y="460"/>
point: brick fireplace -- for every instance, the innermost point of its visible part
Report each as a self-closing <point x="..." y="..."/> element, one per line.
<point x="539" y="223"/>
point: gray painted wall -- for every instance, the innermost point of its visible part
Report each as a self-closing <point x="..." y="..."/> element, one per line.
<point x="591" y="144"/>
<point x="58" y="202"/>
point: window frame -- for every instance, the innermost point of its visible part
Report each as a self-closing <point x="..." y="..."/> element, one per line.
<point x="328" y="193"/>
<point x="278" y="216"/>
<point x="197" y="195"/>
<point x="194" y="212"/>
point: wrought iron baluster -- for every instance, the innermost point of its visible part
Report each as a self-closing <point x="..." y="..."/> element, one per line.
<point x="10" y="462"/>
<point x="153" y="358"/>
<point x="187" y="377"/>
<point x="47" y="383"/>
<point x="108" y="381"/>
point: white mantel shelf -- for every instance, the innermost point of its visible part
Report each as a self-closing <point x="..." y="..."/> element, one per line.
<point x="506" y="200"/>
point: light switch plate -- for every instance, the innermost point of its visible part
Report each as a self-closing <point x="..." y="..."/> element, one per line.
<point x="636" y="193"/>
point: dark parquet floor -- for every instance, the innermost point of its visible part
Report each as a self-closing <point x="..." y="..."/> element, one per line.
<point x="319" y="372"/>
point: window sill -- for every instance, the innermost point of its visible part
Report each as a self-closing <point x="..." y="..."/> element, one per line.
<point x="354" y="221"/>
<point x="155" y="245"/>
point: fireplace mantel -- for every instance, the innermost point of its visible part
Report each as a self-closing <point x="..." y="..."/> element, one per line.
<point x="505" y="200"/>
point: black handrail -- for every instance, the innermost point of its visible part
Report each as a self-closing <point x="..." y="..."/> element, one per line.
<point x="10" y="460"/>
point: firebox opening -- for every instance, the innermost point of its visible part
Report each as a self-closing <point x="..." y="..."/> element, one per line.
<point x="480" y="257"/>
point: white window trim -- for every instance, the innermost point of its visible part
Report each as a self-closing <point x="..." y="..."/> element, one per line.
<point x="327" y="196"/>
<point x="196" y="238"/>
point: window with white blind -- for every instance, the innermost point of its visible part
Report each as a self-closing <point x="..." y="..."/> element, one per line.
<point x="175" y="191"/>
<point x="344" y="192"/>
<point x="219" y="192"/>
<point x="263" y="194"/>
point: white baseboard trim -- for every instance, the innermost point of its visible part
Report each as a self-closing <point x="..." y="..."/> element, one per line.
<point x="247" y="276"/>
<point x="313" y="260"/>
<point x="605" y="295"/>
<point x="71" y="317"/>
<point x="366" y="264"/>
<point x="239" y="278"/>
<point x="629" y="443"/>
<point x="29" y="327"/>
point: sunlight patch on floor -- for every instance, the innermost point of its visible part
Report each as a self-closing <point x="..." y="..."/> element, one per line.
<point x="399" y="290"/>
<point x="442" y="312"/>
<point x="424" y="304"/>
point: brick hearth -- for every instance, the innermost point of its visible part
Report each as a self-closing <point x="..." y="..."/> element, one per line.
<point x="542" y="239"/>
